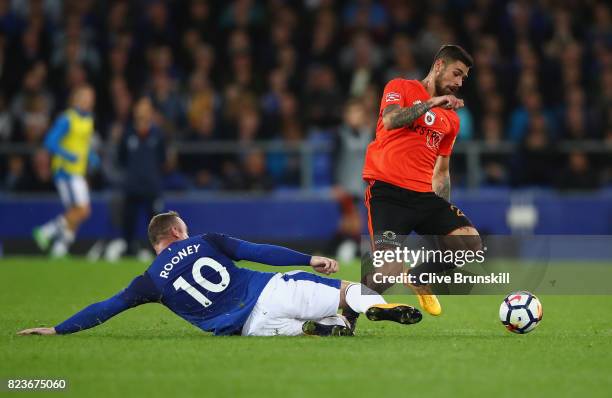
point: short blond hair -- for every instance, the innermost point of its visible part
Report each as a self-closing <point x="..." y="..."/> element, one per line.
<point x="160" y="224"/>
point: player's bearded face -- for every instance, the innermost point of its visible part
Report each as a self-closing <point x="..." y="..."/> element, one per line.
<point x="449" y="77"/>
<point x="444" y="85"/>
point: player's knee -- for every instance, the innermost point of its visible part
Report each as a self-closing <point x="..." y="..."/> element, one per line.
<point x="83" y="211"/>
<point x="465" y="238"/>
<point x="473" y="243"/>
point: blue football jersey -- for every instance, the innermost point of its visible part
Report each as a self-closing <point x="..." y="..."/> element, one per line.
<point x="202" y="285"/>
<point x="197" y="279"/>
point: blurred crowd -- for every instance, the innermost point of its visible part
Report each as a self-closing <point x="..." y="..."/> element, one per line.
<point x="311" y="71"/>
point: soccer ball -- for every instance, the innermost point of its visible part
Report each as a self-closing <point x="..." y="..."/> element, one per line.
<point x="520" y="312"/>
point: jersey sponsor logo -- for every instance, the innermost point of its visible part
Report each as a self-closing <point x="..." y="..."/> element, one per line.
<point x="433" y="139"/>
<point x="391" y="97"/>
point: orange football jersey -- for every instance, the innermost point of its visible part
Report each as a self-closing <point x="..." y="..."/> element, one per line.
<point x="406" y="156"/>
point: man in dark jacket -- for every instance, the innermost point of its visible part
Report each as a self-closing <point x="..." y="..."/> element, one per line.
<point x="142" y="155"/>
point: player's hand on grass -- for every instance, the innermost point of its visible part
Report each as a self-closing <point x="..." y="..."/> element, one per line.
<point x="446" y="101"/>
<point x="324" y="265"/>
<point x="41" y="331"/>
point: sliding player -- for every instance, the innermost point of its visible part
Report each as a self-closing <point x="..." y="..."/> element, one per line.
<point x="69" y="141"/>
<point x="196" y="278"/>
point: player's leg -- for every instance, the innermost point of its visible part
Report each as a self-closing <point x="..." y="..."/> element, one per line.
<point x="77" y="212"/>
<point x="390" y="215"/>
<point x="447" y="228"/>
<point x="297" y="303"/>
<point x="389" y="218"/>
<point x="45" y="234"/>
<point x="363" y="300"/>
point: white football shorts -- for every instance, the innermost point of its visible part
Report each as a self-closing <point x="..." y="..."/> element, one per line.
<point x="73" y="190"/>
<point x="290" y="299"/>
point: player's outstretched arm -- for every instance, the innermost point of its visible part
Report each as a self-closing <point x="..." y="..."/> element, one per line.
<point x="140" y="291"/>
<point x="237" y="249"/>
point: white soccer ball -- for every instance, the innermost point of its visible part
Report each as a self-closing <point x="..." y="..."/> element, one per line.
<point x="520" y="312"/>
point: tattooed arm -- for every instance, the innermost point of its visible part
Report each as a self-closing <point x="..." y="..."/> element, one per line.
<point x="395" y="116"/>
<point x="440" y="181"/>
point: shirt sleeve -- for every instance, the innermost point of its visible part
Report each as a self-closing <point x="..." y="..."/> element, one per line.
<point x="56" y="133"/>
<point x="140" y="291"/>
<point x="446" y="146"/>
<point x="393" y="94"/>
<point x="237" y="249"/>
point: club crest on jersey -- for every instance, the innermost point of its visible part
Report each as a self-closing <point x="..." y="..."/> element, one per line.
<point x="430" y="116"/>
<point x="391" y="97"/>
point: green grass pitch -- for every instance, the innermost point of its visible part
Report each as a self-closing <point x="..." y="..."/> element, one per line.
<point x="150" y="352"/>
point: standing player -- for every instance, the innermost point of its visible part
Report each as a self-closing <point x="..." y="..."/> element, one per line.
<point x="407" y="165"/>
<point x="196" y="278"/>
<point x="69" y="141"/>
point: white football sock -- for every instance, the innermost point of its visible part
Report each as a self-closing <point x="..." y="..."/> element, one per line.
<point x="53" y="227"/>
<point x="67" y="236"/>
<point x="361" y="302"/>
<point x="59" y="249"/>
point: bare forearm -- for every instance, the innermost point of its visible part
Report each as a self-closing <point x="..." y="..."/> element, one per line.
<point x="398" y="117"/>
<point x="441" y="186"/>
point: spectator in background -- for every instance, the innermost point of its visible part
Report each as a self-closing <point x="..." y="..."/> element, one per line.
<point x="323" y="98"/>
<point x="15" y="172"/>
<point x="300" y="63"/>
<point x="157" y="27"/>
<point x="203" y="62"/>
<point x="74" y="45"/>
<point x="494" y="166"/>
<point x="466" y="128"/>
<point x="361" y="62"/>
<point x="254" y="171"/>
<point x="167" y="100"/>
<point x="6" y="121"/>
<point x="174" y="178"/>
<point x="352" y="140"/>
<point x="25" y="53"/>
<point x="531" y="106"/>
<point x="404" y="63"/>
<point x="535" y="160"/>
<point x="38" y="178"/>
<point x="285" y="167"/>
<point x="578" y="175"/>
<point x="203" y="167"/>
<point x="324" y="46"/>
<point x="32" y="106"/>
<point x="142" y="154"/>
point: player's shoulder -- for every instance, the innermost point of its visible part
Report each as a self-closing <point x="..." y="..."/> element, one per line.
<point x="452" y="115"/>
<point x="453" y="118"/>
<point x="398" y="81"/>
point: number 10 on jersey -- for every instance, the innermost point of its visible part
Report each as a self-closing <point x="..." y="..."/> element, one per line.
<point x="181" y="284"/>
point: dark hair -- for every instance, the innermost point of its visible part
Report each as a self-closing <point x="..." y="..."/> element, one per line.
<point x="453" y="52"/>
<point x="160" y="224"/>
